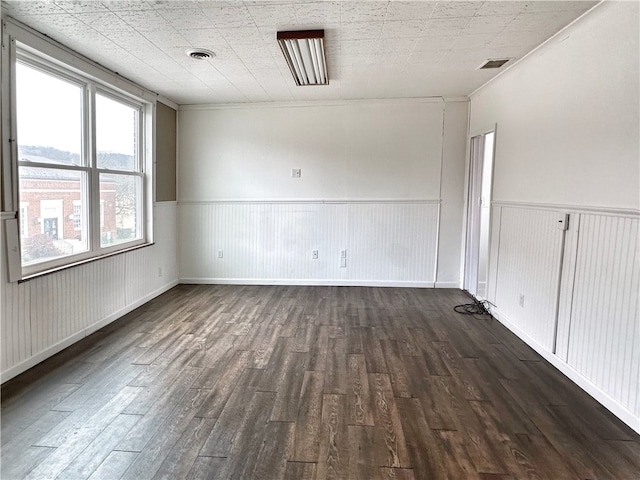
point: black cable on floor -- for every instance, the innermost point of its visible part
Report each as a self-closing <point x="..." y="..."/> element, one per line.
<point x="476" y="308"/>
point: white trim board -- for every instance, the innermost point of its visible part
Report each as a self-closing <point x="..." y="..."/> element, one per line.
<point x="58" y="347"/>
<point x="306" y="282"/>
<point x="631" y="212"/>
<point x="589" y="387"/>
<point x="322" y="103"/>
<point x="285" y="201"/>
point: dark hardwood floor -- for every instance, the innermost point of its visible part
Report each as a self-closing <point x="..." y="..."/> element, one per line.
<point x="306" y="383"/>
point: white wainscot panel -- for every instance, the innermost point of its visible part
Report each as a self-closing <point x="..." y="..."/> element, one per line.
<point x="604" y="333"/>
<point x="393" y="242"/>
<point x="530" y="246"/>
<point x="15" y="328"/>
<point x="273" y="242"/>
<point x="42" y="316"/>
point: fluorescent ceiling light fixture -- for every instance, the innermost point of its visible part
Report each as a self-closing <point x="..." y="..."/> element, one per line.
<point x="304" y="52"/>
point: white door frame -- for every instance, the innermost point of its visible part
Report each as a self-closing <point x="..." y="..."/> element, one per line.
<point x="471" y="240"/>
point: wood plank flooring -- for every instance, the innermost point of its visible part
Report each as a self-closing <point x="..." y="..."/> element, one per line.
<point x="283" y="382"/>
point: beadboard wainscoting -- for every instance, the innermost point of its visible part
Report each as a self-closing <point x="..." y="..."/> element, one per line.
<point x="44" y="315"/>
<point x="573" y="295"/>
<point x="382" y="243"/>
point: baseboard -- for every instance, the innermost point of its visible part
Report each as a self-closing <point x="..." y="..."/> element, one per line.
<point x="610" y="403"/>
<point x="307" y="282"/>
<point x="61" y="345"/>
<point x="448" y="285"/>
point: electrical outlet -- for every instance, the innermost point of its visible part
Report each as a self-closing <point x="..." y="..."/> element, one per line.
<point x="343" y="263"/>
<point x="296" y="173"/>
<point x="314" y="254"/>
<point x="521" y="301"/>
<point x="220" y="253"/>
<point x="159" y="271"/>
<point x="343" y="254"/>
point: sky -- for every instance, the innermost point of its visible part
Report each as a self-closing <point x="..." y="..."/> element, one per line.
<point x="50" y="110"/>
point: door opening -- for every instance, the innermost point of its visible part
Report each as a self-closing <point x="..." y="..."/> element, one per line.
<point x="479" y="214"/>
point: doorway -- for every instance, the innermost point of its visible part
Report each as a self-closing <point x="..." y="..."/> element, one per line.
<point x="479" y="214"/>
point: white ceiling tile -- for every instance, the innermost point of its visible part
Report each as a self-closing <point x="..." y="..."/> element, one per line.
<point x="392" y="58"/>
<point x="488" y="24"/>
<point x="312" y="13"/>
<point x="492" y="8"/>
<point x="402" y="29"/>
<point x="16" y="8"/>
<point x="171" y="4"/>
<point x="271" y="14"/>
<point x="363" y="11"/>
<point x="429" y="57"/>
<point x="203" y="37"/>
<point x="471" y="41"/>
<point x="242" y="36"/>
<point x="81" y="6"/>
<point x="144" y="20"/>
<point x="517" y="38"/>
<point x="184" y="18"/>
<point x="349" y="47"/>
<point x="404" y="10"/>
<point x="437" y="42"/>
<point x="166" y="38"/>
<point x="361" y="30"/>
<point x="359" y="59"/>
<point x="445" y="26"/>
<point x="388" y="45"/>
<point x="122" y="5"/>
<point x="558" y="6"/>
<point x="229" y="16"/>
<point x="103" y="21"/>
<point x="455" y="9"/>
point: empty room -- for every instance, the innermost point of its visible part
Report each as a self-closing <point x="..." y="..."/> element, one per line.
<point x="301" y="239"/>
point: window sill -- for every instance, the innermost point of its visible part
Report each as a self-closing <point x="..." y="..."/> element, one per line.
<point x="31" y="276"/>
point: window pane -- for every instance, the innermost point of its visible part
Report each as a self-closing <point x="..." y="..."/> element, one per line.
<point x="120" y="209"/>
<point x="49" y="118"/>
<point x="53" y="226"/>
<point x="116" y="135"/>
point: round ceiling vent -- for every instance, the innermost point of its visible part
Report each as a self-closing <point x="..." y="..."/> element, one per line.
<point x="200" y="53"/>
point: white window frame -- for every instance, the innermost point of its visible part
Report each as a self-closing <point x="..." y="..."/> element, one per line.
<point x="29" y="47"/>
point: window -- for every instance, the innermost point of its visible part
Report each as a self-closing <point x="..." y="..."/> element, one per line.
<point x="81" y="164"/>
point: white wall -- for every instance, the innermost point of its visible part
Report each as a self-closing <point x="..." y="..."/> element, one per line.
<point x="568" y="118"/>
<point x="42" y="316"/>
<point x="568" y="141"/>
<point x="370" y="184"/>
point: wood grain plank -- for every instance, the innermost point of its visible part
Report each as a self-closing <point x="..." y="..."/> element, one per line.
<point x="333" y="458"/>
<point x="276" y="449"/>
<point x="308" y="421"/>
<point x="300" y="471"/>
<point x="362" y="461"/>
<point x="392" y="448"/>
<point x="114" y="465"/>
<point x="359" y="396"/>
<point x="220" y="440"/>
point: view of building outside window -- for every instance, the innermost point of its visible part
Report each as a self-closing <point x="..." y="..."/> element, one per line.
<point x="55" y="172"/>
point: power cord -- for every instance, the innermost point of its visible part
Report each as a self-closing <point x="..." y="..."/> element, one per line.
<point x="476" y="308"/>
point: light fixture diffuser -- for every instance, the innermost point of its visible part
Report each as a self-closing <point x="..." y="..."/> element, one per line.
<point x="304" y="52"/>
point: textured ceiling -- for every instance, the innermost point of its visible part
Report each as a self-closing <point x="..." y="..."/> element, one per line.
<point x="375" y="49"/>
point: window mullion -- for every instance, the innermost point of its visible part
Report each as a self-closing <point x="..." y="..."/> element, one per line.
<point x="94" y="178"/>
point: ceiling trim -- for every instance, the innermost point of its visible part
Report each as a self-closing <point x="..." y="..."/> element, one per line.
<point x="322" y="103"/>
